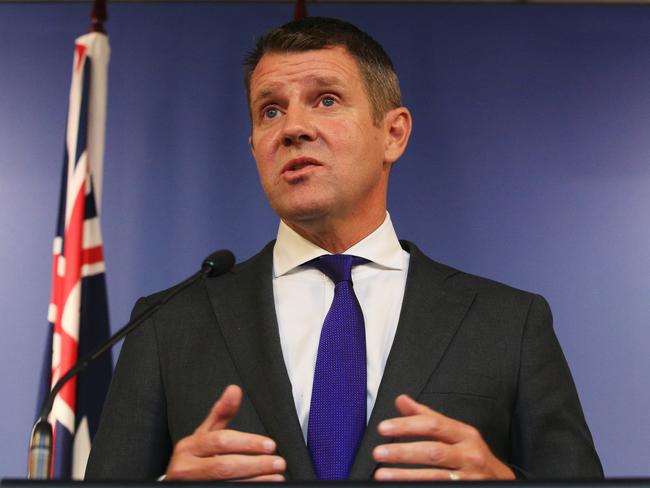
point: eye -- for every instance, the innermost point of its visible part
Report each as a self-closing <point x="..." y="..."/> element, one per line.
<point x="271" y="112"/>
<point x="328" y="101"/>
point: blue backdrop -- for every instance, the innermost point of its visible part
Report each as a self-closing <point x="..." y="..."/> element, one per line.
<point x="529" y="163"/>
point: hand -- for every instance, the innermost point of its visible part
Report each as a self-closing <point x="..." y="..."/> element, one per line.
<point x="213" y="452"/>
<point x="454" y="450"/>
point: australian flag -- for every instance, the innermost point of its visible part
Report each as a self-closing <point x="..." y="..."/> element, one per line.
<point x="78" y="311"/>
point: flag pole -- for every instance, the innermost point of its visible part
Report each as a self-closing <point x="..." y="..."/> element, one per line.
<point x="300" y="10"/>
<point x="98" y="16"/>
<point x="60" y="441"/>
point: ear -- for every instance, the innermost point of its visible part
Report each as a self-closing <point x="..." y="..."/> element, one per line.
<point x="398" y="124"/>
<point x="250" y="144"/>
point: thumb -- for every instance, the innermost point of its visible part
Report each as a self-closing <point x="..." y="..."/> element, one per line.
<point x="224" y="409"/>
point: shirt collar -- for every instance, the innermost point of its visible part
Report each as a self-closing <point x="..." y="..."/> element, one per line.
<point x="380" y="247"/>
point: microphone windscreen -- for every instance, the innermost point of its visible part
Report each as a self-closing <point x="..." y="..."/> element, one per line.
<point x="218" y="263"/>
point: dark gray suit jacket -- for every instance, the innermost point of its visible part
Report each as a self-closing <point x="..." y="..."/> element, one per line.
<point x="470" y="348"/>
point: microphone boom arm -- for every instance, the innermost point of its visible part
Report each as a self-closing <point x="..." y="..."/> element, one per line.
<point x="40" y="446"/>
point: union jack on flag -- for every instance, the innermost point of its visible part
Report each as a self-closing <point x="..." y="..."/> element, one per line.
<point x="78" y="311"/>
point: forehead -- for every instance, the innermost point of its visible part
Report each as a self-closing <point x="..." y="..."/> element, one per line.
<point x="329" y="66"/>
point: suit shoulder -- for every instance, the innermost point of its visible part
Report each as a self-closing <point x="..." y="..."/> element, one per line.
<point x="451" y="278"/>
<point x="250" y="265"/>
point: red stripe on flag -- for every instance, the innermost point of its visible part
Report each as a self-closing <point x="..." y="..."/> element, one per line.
<point x="92" y="255"/>
<point x="80" y="50"/>
<point x="73" y="262"/>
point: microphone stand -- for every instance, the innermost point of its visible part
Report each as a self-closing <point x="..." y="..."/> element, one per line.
<point x="40" y="446"/>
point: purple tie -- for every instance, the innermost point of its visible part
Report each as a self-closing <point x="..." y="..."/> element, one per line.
<point x="337" y="416"/>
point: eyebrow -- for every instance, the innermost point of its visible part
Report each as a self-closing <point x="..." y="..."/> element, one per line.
<point x="318" y="81"/>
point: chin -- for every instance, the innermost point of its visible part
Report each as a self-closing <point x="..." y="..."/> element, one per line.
<point x="304" y="203"/>
<point x="304" y="213"/>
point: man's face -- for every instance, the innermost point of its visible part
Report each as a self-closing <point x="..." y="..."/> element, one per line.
<point x="318" y="153"/>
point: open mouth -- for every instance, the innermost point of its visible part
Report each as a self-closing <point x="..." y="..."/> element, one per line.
<point x="297" y="164"/>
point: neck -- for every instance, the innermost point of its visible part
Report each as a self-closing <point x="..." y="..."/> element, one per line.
<point x="337" y="237"/>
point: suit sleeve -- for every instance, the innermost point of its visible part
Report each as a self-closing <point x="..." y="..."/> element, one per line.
<point x="132" y="441"/>
<point x="550" y="438"/>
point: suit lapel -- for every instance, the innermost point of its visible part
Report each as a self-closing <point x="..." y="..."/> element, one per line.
<point x="428" y="321"/>
<point x="243" y="304"/>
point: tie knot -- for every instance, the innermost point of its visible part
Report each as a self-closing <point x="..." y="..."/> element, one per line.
<point x="338" y="267"/>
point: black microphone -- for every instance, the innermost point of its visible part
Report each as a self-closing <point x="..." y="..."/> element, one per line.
<point x="40" y="446"/>
<point x="218" y="263"/>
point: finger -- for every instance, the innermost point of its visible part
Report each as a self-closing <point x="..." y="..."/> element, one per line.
<point x="235" y="466"/>
<point x="223" y="409"/>
<point x="225" y="467"/>
<point x="273" y="478"/>
<point x="228" y="441"/>
<point x="432" y="425"/>
<point x="399" y="474"/>
<point x="408" y="406"/>
<point x="428" y="453"/>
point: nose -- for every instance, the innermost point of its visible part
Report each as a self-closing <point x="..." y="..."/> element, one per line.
<point x="298" y="127"/>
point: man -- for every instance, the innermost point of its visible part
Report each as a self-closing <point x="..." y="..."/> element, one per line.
<point x="462" y="378"/>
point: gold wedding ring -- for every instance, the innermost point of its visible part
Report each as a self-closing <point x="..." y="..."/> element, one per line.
<point x="453" y="475"/>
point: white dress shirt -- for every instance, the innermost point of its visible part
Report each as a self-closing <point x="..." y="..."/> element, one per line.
<point x="303" y="296"/>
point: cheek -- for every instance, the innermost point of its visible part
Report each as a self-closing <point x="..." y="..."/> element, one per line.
<point x="342" y="137"/>
<point x="266" y="176"/>
<point x="263" y="151"/>
<point x="264" y="165"/>
<point x="355" y="143"/>
<point x="264" y="139"/>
